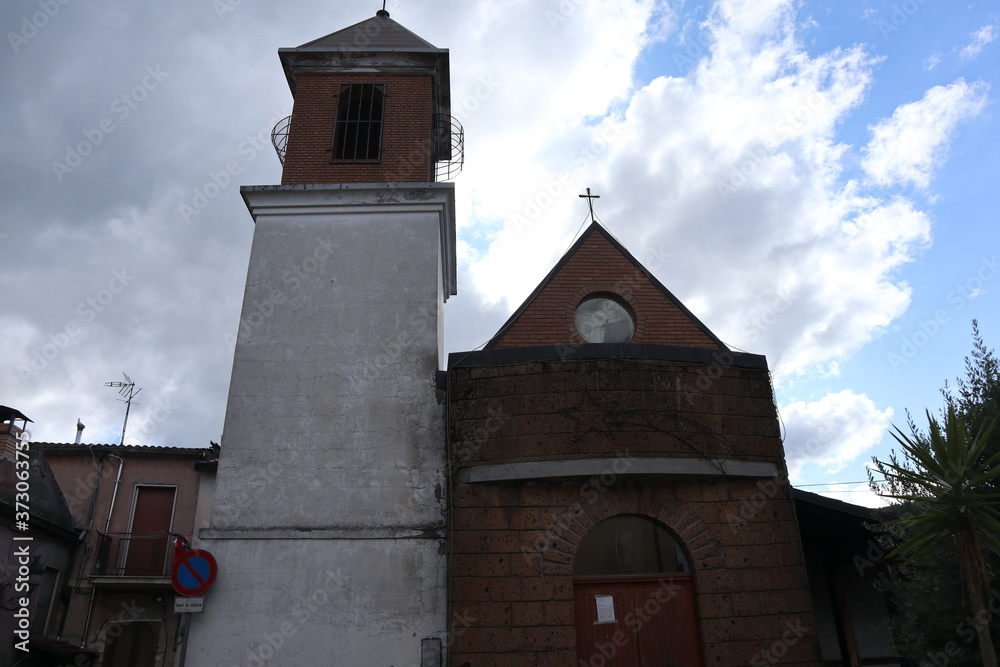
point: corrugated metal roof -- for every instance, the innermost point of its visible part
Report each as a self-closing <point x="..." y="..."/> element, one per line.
<point x="379" y="33"/>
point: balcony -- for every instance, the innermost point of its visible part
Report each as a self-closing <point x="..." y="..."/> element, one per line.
<point x="279" y="137"/>
<point x="133" y="559"/>
<point x="448" y="147"/>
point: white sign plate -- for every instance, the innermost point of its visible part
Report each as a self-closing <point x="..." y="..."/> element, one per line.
<point x="605" y="608"/>
<point x="189" y="605"/>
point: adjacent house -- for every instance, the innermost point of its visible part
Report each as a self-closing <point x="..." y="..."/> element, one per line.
<point x="105" y="522"/>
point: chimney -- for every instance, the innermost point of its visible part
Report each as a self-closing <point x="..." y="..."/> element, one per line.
<point x="79" y="430"/>
<point x="10" y="431"/>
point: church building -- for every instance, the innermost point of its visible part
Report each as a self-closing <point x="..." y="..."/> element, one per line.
<point x="603" y="484"/>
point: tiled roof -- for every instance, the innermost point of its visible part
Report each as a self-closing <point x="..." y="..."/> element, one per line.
<point x="131" y="449"/>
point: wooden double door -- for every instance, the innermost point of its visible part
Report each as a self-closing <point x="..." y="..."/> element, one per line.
<point x="637" y="622"/>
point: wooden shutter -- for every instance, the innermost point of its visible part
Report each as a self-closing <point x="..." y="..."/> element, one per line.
<point x="151" y="520"/>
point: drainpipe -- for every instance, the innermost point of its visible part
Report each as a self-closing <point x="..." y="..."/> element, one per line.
<point x="83" y="539"/>
<point x="114" y="494"/>
<point x="93" y="590"/>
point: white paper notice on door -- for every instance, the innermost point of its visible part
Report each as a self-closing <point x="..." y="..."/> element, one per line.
<point x="605" y="609"/>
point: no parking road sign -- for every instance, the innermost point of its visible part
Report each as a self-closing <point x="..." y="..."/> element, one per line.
<point x="194" y="572"/>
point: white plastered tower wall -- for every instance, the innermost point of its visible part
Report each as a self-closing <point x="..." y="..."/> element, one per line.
<point x="328" y="523"/>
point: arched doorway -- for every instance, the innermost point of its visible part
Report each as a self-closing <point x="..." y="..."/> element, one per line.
<point x="634" y="597"/>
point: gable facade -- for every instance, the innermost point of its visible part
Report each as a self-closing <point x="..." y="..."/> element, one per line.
<point x="551" y="436"/>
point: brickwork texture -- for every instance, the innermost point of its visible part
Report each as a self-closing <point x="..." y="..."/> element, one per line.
<point x="548" y="318"/>
<point x="406" y="131"/>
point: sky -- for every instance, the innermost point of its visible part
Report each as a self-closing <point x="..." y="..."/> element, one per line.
<point x="815" y="180"/>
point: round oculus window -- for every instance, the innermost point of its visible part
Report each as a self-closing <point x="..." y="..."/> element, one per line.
<point x="603" y="320"/>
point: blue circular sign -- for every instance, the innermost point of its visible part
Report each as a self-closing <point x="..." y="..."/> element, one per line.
<point x="194" y="572"/>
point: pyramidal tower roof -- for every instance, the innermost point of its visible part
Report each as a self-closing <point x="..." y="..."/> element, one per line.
<point x="378" y="44"/>
<point x="379" y="33"/>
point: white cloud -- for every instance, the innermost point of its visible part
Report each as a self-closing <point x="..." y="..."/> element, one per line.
<point x="980" y="39"/>
<point x="727" y="184"/>
<point x="831" y="432"/>
<point x="910" y="145"/>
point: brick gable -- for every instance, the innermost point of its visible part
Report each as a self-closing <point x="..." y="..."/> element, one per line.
<point x="597" y="264"/>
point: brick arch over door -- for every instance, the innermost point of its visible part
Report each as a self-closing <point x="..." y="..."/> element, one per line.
<point x="704" y="550"/>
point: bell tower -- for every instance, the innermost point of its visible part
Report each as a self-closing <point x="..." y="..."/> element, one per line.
<point x="372" y="105"/>
<point x="328" y="518"/>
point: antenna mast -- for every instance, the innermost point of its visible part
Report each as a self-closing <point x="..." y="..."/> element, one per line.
<point x="127" y="391"/>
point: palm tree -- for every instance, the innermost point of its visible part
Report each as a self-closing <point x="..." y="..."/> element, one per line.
<point x="947" y="483"/>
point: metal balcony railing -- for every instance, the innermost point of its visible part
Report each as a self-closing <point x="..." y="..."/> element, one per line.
<point x="447" y="145"/>
<point x="448" y="137"/>
<point x="279" y="137"/>
<point x="134" y="554"/>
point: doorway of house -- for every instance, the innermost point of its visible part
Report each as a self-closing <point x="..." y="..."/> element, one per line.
<point x="132" y="645"/>
<point x="634" y="597"/>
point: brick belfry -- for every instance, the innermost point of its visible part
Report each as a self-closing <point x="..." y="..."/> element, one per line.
<point x="328" y="520"/>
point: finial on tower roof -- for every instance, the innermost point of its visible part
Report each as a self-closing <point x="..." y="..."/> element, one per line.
<point x="382" y="12"/>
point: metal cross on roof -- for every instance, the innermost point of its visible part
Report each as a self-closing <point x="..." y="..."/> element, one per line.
<point x="590" y="200"/>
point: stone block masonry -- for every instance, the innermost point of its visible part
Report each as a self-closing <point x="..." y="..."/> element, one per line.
<point x="513" y="541"/>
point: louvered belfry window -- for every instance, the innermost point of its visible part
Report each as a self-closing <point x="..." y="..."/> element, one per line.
<point x="358" y="133"/>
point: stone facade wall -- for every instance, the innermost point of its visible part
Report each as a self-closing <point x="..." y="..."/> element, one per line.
<point x="551" y="410"/>
<point x="406" y="131"/>
<point x="512" y="544"/>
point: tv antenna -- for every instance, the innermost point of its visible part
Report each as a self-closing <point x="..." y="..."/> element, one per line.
<point x="128" y="392"/>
